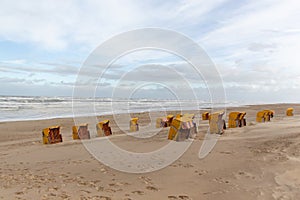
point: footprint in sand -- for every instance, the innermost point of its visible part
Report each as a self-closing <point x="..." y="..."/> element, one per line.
<point x="172" y="197"/>
<point x="19" y="193"/>
<point x="110" y="190"/>
<point x="146" y="180"/>
<point x="99" y="188"/>
<point x="185" y="197"/>
<point x="151" y="188"/>
<point x="188" y="165"/>
<point x="220" y="180"/>
<point x="105" y="198"/>
<point x="226" y="152"/>
<point x="86" y="191"/>
<point x="201" y="172"/>
<point x="138" y="192"/>
<point x="241" y="174"/>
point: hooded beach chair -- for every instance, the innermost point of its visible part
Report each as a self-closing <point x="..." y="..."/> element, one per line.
<point x="52" y="135"/>
<point x="260" y="116"/>
<point x="243" y="119"/>
<point x="134" y="126"/>
<point x="236" y="119"/>
<point x="268" y="115"/>
<point x="205" y="116"/>
<point x="103" y="128"/>
<point x="217" y="123"/>
<point x="164" y="121"/>
<point x="169" y="120"/>
<point x="182" y="128"/>
<point x="161" y="122"/>
<point x="264" y="115"/>
<point x="289" y="112"/>
<point x="178" y="116"/>
<point x="81" y="132"/>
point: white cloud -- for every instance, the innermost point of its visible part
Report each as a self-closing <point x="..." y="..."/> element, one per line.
<point x="255" y="44"/>
<point x="56" y="25"/>
<point x="256" y="47"/>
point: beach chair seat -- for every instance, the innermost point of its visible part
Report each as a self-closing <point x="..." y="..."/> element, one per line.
<point x="236" y="119"/>
<point x="52" y="135"/>
<point x="260" y="116"/>
<point x="75" y="133"/>
<point x="103" y="128"/>
<point x="81" y="132"/>
<point x="242" y="119"/>
<point x="264" y="115"/>
<point x="134" y="126"/>
<point x="164" y="121"/>
<point x="169" y="120"/>
<point x="268" y="115"/>
<point x="161" y="122"/>
<point x="233" y="120"/>
<point x="217" y="124"/>
<point x="205" y="116"/>
<point x="289" y="112"/>
<point x="182" y="128"/>
<point x="179" y="115"/>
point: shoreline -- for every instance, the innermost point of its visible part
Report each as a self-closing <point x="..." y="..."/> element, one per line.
<point x="144" y="111"/>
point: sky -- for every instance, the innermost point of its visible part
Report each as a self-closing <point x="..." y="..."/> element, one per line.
<point x="254" y="45"/>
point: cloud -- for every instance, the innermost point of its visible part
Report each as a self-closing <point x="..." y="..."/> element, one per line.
<point x="261" y="47"/>
<point x="12" y="80"/>
<point x="57" y="69"/>
<point x="55" y="26"/>
<point x="254" y="44"/>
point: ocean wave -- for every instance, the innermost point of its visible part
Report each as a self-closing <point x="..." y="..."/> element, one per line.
<point x="27" y="108"/>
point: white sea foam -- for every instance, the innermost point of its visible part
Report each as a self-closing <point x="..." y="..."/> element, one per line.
<point x="14" y="108"/>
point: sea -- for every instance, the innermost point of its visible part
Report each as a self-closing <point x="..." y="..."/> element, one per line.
<point x="21" y="108"/>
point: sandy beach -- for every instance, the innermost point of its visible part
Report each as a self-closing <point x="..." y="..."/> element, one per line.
<point x="259" y="161"/>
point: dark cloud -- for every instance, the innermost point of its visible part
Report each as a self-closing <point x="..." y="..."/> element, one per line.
<point x="12" y="80"/>
<point x="62" y="70"/>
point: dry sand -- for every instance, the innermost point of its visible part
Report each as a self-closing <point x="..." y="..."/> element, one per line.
<point x="259" y="161"/>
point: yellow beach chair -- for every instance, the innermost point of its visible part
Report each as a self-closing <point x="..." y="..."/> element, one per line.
<point x="182" y="128"/>
<point x="134" y="126"/>
<point x="260" y="116"/>
<point x="243" y="119"/>
<point x="51" y="135"/>
<point x="169" y="120"/>
<point x="161" y="122"/>
<point x="268" y="115"/>
<point x="264" y="115"/>
<point x="236" y="119"/>
<point x="289" y="112"/>
<point x="178" y="116"/>
<point x="164" y="121"/>
<point x="205" y="116"/>
<point x="81" y="132"/>
<point x="103" y="128"/>
<point x="217" y="123"/>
